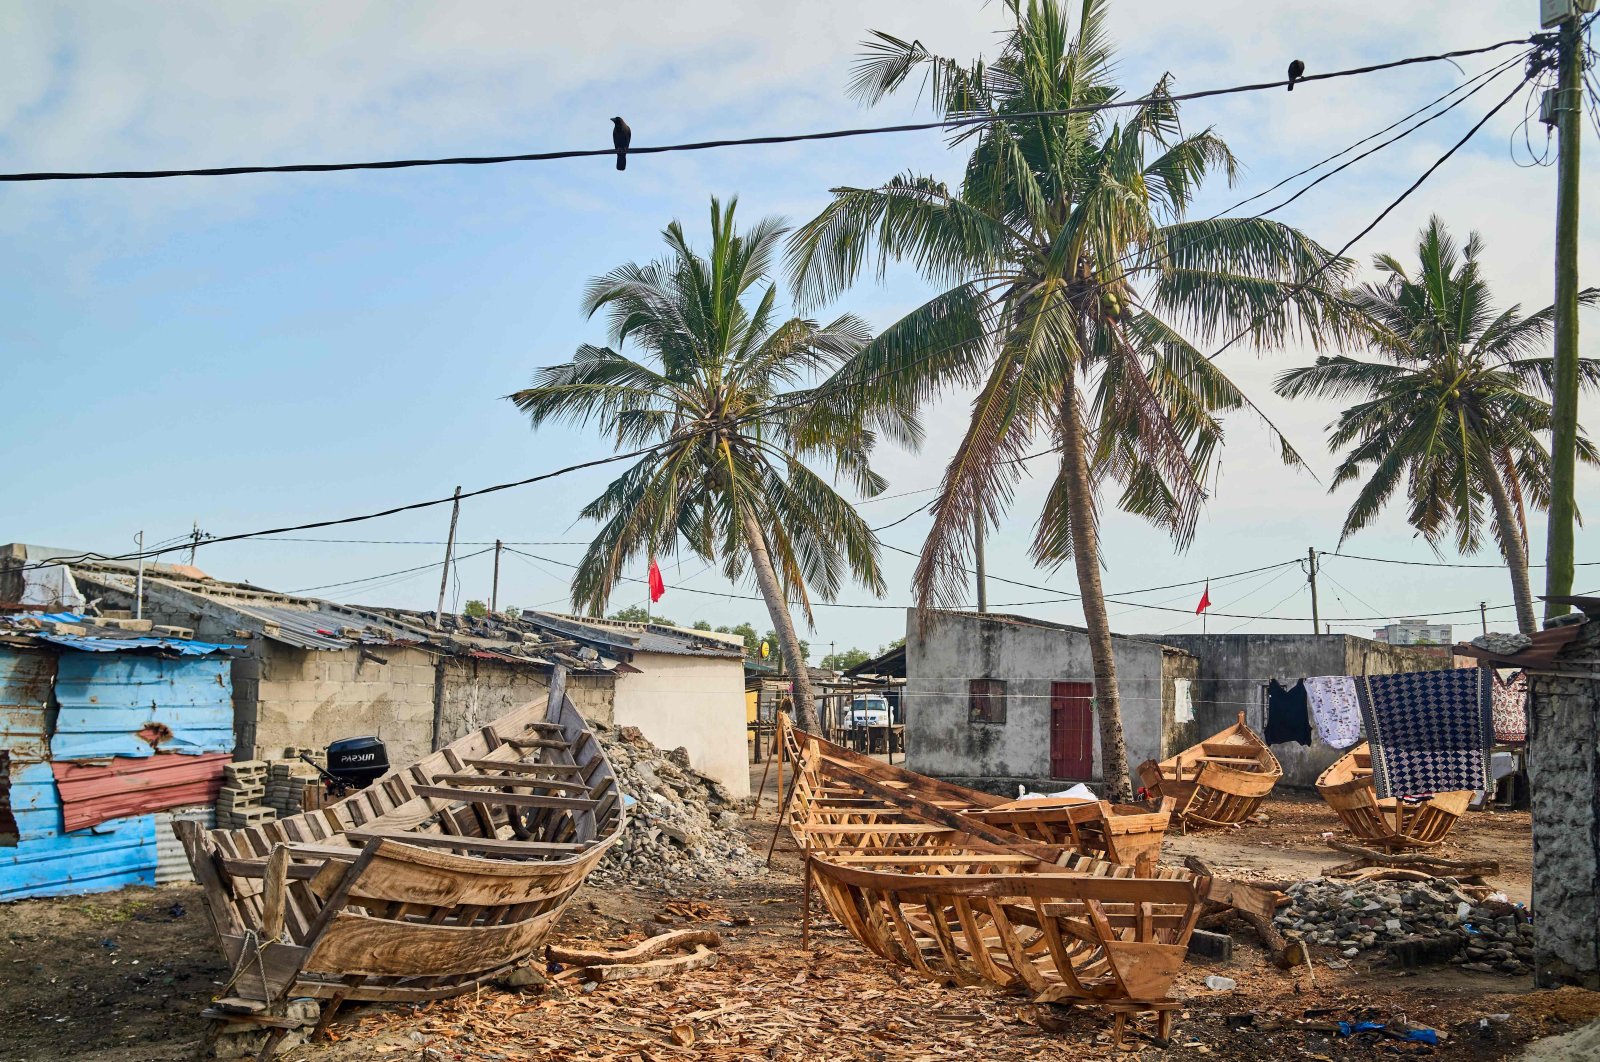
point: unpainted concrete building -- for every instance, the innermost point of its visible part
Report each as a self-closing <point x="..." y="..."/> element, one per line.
<point x="996" y="701"/>
<point x="313" y="671"/>
<point x="1235" y="669"/>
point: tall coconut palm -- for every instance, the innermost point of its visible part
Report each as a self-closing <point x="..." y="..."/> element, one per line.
<point x="1454" y="409"/>
<point x="1077" y="291"/>
<point x="716" y="388"/>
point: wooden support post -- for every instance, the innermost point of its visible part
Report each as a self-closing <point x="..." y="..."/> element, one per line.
<point x="805" y="921"/>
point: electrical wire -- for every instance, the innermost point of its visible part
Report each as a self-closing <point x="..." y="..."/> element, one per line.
<point x="385" y="575"/>
<point x="609" y="152"/>
<point x="1429" y="564"/>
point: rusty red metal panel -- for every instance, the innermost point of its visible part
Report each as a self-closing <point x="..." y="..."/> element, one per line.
<point x="95" y="793"/>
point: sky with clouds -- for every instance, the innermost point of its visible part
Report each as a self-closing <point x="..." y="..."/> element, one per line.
<point x="265" y="350"/>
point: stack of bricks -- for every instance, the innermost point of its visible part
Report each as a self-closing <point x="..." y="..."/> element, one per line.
<point x="239" y="804"/>
<point x="288" y="781"/>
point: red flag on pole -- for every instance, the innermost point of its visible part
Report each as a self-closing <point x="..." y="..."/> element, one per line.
<point x="657" y="586"/>
<point x="1205" y="599"/>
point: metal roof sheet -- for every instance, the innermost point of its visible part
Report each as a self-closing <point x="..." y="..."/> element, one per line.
<point x="47" y="862"/>
<point x="92" y="793"/>
<point x="25" y="681"/>
<point x="129" y="705"/>
<point x="104" y="640"/>
<point x="635" y="637"/>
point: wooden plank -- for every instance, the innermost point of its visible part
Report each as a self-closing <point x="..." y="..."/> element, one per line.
<point x="518" y="767"/>
<point x="701" y="958"/>
<point x="527" y="800"/>
<point x="485" y="845"/>
<point x="511" y="781"/>
<point x="379" y="948"/>
<point x="680" y="938"/>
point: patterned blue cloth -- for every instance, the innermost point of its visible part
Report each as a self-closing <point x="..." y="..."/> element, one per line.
<point x="1430" y="730"/>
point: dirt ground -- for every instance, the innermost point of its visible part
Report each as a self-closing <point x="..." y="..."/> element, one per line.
<point x="122" y="978"/>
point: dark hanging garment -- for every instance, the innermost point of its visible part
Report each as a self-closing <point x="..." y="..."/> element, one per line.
<point x="1288" y="714"/>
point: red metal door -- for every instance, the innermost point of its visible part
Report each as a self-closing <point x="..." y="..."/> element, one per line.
<point x="1072" y="730"/>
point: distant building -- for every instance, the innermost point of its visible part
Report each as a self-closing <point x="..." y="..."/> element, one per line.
<point x="995" y="701"/>
<point x="1414" y="632"/>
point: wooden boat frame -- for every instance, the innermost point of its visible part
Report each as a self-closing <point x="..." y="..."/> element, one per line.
<point x="1119" y="833"/>
<point x="1392" y="824"/>
<point x="965" y="901"/>
<point x="440" y="875"/>
<point x="1220" y="781"/>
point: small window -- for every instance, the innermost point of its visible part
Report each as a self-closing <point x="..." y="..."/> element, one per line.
<point x="986" y="701"/>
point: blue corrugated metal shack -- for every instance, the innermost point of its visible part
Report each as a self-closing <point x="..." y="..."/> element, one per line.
<point x="74" y="697"/>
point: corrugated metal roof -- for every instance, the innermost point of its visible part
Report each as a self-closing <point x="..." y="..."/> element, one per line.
<point x="129" y="705"/>
<point x="25" y="681"/>
<point x="47" y="862"/>
<point x="93" y="793"/>
<point x="634" y="637"/>
<point x="172" y="863"/>
<point x="181" y="646"/>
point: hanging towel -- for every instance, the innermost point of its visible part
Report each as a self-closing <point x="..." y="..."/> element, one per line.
<point x="1430" y="730"/>
<point x="1287" y="716"/>
<point x="1511" y="709"/>
<point x="1335" y="709"/>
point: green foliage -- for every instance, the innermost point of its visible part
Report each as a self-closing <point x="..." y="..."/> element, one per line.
<point x="639" y="614"/>
<point x="772" y="640"/>
<point x="511" y="612"/>
<point x="702" y="625"/>
<point x="475" y="608"/>
<point x="844" y="661"/>
<point x="1453" y="407"/>
<point x="1069" y="268"/>
<point x="717" y="386"/>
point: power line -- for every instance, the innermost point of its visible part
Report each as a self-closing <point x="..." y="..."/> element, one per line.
<point x="1337" y="255"/>
<point x="1429" y="564"/>
<point x="421" y="541"/>
<point x="835" y="134"/>
<point x="385" y="575"/>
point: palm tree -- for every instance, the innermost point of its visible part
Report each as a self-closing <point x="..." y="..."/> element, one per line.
<point x="1454" y="408"/>
<point x="1076" y="291"/>
<point x="716" y="396"/>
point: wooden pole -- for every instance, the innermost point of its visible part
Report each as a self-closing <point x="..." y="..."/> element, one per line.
<point x="449" y="548"/>
<point x="805" y="920"/>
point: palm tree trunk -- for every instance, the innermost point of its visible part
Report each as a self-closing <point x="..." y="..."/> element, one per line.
<point x="1086" y="556"/>
<point x="1516" y="549"/>
<point x="805" y="702"/>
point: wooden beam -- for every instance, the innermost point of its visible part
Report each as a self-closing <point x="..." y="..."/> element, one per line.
<point x="526" y="800"/>
<point x="485" y="845"/>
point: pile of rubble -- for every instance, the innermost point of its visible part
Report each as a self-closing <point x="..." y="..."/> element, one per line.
<point x="1489" y="937"/>
<point x="681" y="824"/>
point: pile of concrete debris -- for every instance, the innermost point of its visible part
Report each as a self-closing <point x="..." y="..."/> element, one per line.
<point x="681" y="824"/>
<point x="1492" y="936"/>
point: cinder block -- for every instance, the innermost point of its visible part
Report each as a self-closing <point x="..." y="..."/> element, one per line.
<point x="1208" y="945"/>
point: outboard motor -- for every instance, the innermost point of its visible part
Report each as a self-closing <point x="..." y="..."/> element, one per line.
<point x="357" y="762"/>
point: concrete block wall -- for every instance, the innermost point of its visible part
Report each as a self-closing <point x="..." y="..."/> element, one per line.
<point x="310" y="697"/>
<point x="1564" y="773"/>
<point x="944" y="650"/>
<point x="476" y="692"/>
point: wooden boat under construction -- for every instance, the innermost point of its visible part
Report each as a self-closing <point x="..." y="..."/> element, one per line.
<point x="1119" y="833"/>
<point x="438" y="876"/>
<point x="964" y="901"/>
<point x="1394" y="824"/>
<point x="1219" y="782"/>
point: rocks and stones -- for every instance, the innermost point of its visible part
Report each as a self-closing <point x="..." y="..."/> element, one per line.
<point x="1413" y="922"/>
<point x="682" y="826"/>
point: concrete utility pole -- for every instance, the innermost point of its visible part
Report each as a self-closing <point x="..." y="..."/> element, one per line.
<point x="494" y="591"/>
<point x="1311" y="576"/>
<point x="138" y="580"/>
<point x="1483" y="614"/>
<point x="195" y="538"/>
<point x="978" y="566"/>
<point x="449" y="548"/>
<point x="1568" y="108"/>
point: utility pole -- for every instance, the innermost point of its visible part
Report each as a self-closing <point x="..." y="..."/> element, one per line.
<point x="1311" y="575"/>
<point x="1483" y="614"/>
<point x="195" y="538"/>
<point x="138" y="580"/>
<point x="449" y="548"/>
<point x="1568" y="107"/>
<point x="977" y="556"/>
<point x="494" y="591"/>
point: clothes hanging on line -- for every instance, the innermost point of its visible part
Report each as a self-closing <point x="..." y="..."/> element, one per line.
<point x="1335" y="709"/>
<point x="1430" y="731"/>
<point x="1511" y="709"/>
<point x="1288" y="716"/>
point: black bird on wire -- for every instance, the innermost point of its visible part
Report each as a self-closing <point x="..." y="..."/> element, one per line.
<point x="621" y="136"/>
<point x="1297" y="70"/>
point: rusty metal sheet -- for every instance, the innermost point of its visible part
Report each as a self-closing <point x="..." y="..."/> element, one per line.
<point x="25" y="681"/>
<point x="93" y="793"/>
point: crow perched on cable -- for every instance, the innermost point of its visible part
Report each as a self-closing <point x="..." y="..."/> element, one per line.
<point x="621" y="136"/>
<point x="1297" y="70"/>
